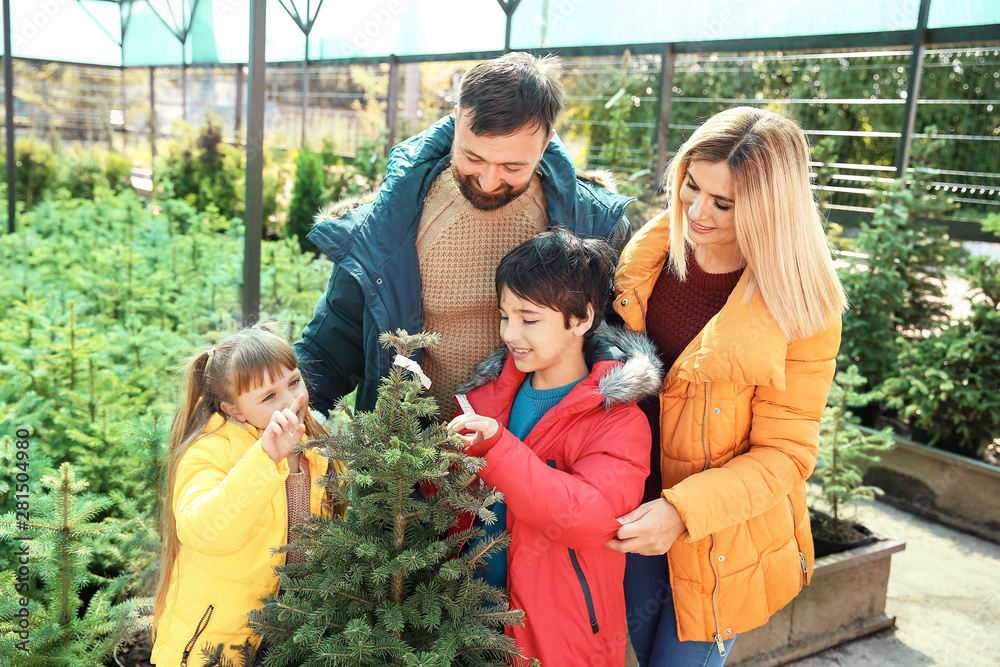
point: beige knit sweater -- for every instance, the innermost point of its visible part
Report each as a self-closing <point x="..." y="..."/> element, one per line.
<point x="297" y="487"/>
<point x="459" y="248"/>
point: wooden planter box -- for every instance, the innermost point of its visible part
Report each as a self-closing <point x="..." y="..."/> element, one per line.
<point x="845" y="600"/>
<point x="944" y="487"/>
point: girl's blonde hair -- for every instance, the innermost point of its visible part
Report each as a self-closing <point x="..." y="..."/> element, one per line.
<point x="238" y="363"/>
<point x="779" y="232"/>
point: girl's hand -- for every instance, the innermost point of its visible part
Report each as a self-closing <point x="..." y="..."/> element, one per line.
<point x="485" y="427"/>
<point x="649" y="530"/>
<point x="284" y="430"/>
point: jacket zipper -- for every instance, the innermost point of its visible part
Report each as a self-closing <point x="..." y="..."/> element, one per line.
<point x="715" y="611"/>
<point x="200" y="628"/>
<point x="586" y="591"/>
<point x="642" y="309"/>
<point x="711" y="554"/>
<point x="584" y="586"/>
<point x="802" y="558"/>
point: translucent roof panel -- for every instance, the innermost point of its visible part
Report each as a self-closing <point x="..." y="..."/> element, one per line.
<point x="945" y="14"/>
<point x="217" y="31"/>
<point x="569" y="23"/>
<point x="68" y="30"/>
<point x="406" y="28"/>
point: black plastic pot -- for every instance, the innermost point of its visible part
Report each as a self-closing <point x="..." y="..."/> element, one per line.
<point x="825" y="547"/>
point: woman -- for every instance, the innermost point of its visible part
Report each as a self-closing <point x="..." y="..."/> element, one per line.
<point x="735" y="283"/>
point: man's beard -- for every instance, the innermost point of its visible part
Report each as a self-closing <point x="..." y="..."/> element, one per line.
<point x="486" y="201"/>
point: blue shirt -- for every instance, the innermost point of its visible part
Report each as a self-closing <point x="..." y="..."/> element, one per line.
<point x="530" y="405"/>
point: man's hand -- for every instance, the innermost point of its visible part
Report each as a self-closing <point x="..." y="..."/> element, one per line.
<point x="649" y="530"/>
<point x="485" y="427"/>
<point x="284" y="430"/>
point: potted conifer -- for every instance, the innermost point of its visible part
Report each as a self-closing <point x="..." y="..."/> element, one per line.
<point x="843" y="449"/>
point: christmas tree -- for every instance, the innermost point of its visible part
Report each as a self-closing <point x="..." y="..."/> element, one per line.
<point x="46" y="618"/>
<point x="386" y="584"/>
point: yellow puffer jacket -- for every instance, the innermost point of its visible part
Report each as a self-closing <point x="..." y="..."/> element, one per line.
<point x="739" y="423"/>
<point x="231" y="510"/>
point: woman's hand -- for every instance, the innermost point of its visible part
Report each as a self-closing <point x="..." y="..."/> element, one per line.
<point x="485" y="427"/>
<point x="284" y="430"/>
<point x="650" y="529"/>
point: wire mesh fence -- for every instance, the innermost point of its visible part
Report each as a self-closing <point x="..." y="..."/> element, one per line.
<point x="849" y="103"/>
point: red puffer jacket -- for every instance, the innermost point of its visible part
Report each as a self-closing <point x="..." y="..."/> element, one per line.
<point x="582" y="466"/>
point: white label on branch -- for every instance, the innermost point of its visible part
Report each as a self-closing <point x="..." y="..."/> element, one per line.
<point x="411" y="365"/>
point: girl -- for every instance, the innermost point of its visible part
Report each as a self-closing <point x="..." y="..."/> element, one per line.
<point x="235" y="488"/>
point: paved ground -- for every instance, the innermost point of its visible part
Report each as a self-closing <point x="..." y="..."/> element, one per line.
<point x="944" y="590"/>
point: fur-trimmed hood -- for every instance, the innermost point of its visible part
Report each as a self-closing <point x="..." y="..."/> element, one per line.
<point x="638" y="374"/>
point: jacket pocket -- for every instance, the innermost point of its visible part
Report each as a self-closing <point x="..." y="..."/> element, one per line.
<point x="798" y="549"/>
<point x="585" y="587"/>
<point x="588" y="597"/>
<point x="200" y="628"/>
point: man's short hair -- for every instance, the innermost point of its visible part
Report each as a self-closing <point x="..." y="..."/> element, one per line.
<point x="514" y="91"/>
<point x="559" y="270"/>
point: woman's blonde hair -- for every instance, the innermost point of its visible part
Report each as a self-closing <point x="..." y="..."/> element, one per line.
<point x="238" y="363"/>
<point x="779" y="232"/>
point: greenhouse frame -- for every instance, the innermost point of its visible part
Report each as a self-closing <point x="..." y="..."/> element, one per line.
<point x="285" y="34"/>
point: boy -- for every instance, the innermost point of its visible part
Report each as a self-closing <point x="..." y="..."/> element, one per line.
<point x="554" y="416"/>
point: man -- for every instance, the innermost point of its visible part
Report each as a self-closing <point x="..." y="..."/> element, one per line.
<point x="422" y="255"/>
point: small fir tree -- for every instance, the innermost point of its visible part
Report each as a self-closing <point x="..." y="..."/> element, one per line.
<point x="65" y="628"/>
<point x="385" y="585"/>
<point x="842" y="447"/>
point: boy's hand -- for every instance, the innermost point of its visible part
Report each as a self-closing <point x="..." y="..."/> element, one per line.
<point x="284" y="430"/>
<point x="485" y="427"/>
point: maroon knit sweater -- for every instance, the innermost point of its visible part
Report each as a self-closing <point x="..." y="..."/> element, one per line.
<point x="676" y="312"/>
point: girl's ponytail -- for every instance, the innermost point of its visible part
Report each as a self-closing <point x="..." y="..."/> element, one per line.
<point x="193" y="414"/>
<point x="193" y="389"/>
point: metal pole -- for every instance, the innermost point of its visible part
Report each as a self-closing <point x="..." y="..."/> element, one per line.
<point x="8" y="103"/>
<point x="912" y="90"/>
<point x="152" y="112"/>
<point x="508" y="7"/>
<point x="305" y="90"/>
<point x="392" y="103"/>
<point x="254" y="217"/>
<point x="663" y="116"/>
<point x="184" y="88"/>
<point x="240" y="103"/>
<point x="124" y="104"/>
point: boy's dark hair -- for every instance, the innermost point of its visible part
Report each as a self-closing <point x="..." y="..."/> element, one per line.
<point x="559" y="270"/>
<point x="514" y="91"/>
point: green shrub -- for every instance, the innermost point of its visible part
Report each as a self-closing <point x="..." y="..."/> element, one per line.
<point x="117" y="172"/>
<point x="948" y="382"/>
<point x="897" y="292"/>
<point x="36" y="166"/>
<point x="202" y="170"/>
<point x="308" y="195"/>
